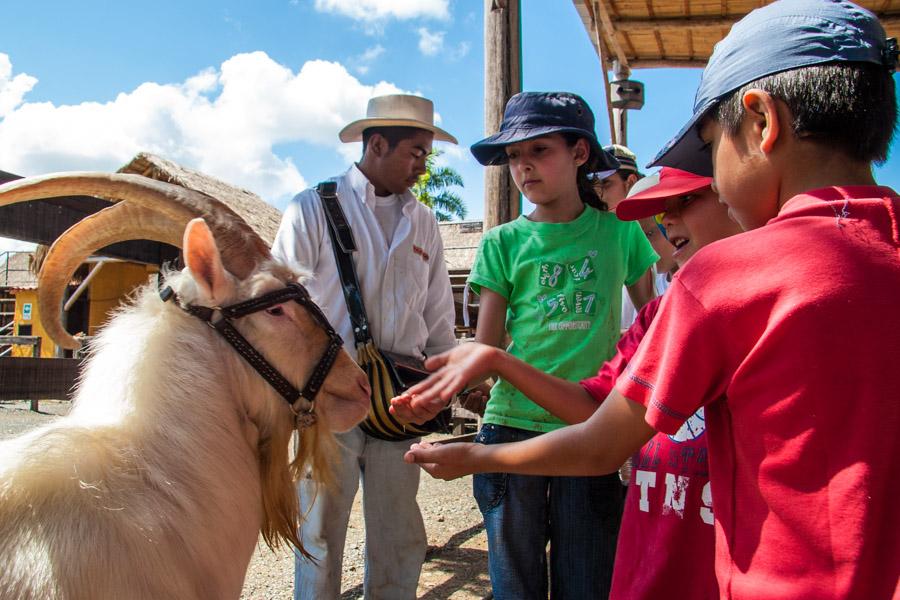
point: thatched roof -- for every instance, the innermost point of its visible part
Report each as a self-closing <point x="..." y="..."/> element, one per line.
<point x="261" y="216"/>
<point x="16" y="271"/>
<point x="461" y="239"/>
<point x="680" y="33"/>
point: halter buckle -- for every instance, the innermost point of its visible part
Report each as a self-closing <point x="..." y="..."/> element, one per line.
<point x="304" y="419"/>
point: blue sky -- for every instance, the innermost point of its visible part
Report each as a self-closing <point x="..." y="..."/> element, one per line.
<point x="255" y="93"/>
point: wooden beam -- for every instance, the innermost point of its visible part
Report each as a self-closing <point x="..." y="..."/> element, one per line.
<point x="667" y="63"/>
<point x="683" y="23"/>
<point x="611" y="34"/>
<point x="604" y="61"/>
<point x="502" y="79"/>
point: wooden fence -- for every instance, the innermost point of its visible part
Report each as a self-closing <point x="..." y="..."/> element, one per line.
<point x="37" y="378"/>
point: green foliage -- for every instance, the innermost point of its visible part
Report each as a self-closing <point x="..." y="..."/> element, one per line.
<point x="433" y="191"/>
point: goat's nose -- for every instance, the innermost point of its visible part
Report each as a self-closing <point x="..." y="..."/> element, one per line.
<point x="363" y="383"/>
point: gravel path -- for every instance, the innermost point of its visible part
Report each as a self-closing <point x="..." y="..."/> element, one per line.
<point x="455" y="565"/>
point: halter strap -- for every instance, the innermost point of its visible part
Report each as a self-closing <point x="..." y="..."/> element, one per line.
<point x="292" y="291"/>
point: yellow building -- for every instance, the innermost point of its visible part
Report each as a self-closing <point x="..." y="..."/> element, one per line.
<point x="99" y="287"/>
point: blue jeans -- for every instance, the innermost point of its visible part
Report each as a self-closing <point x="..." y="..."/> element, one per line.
<point x="578" y="516"/>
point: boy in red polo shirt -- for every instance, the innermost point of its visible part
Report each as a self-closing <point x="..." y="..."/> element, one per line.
<point x="793" y="358"/>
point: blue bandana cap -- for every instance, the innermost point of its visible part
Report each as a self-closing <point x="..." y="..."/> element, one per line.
<point x="785" y="35"/>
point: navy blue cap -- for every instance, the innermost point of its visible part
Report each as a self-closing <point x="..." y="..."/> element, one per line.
<point x="785" y="35"/>
<point x="532" y="114"/>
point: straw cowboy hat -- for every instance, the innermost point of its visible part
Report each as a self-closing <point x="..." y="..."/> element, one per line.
<point x="396" y="110"/>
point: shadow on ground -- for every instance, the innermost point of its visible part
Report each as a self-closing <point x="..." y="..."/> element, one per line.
<point x="467" y="566"/>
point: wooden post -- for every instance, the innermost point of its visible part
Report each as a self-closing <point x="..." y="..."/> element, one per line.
<point x="620" y="115"/>
<point x="620" y="120"/>
<point x="36" y="353"/>
<point x="502" y="79"/>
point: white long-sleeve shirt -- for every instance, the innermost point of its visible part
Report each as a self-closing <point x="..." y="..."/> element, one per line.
<point x="405" y="287"/>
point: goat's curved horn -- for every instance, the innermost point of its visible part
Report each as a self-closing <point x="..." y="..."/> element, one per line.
<point x="117" y="223"/>
<point x="242" y="249"/>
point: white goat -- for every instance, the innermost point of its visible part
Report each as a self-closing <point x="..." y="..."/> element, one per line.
<point x="175" y="455"/>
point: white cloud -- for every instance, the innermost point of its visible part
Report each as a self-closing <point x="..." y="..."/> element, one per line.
<point x="372" y="53"/>
<point x="12" y="89"/>
<point x="430" y="43"/>
<point x="461" y="50"/>
<point x="379" y="10"/>
<point x="226" y="122"/>
<point x="458" y="153"/>
<point x="363" y="62"/>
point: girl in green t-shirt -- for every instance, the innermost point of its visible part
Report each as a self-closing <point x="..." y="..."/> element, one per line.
<point x="551" y="281"/>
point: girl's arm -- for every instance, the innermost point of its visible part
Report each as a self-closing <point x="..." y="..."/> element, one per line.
<point x="643" y="290"/>
<point x="473" y="362"/>
<point x="595" y="447"/>
<point x="491" y="329"/>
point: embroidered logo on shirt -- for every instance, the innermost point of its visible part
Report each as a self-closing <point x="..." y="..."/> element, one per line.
<point x="421" y="252"/>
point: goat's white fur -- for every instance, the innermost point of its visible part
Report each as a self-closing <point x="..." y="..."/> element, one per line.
<point x="173" y="458"/>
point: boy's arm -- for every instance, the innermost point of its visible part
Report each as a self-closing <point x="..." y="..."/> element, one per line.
<point x="595" y="447"/>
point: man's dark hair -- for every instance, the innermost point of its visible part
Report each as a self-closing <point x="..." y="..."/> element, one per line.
<point x="851" y="107"/>
<point x="393" y="135"/>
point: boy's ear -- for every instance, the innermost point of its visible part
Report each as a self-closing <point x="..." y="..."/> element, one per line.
<point x="765" y="121"/>
<point x="630" y="181"/>
<point x="204" y="261"/>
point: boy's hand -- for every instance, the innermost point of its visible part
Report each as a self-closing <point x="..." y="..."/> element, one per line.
<point x="455" y="369"/>
<point x="443" y="462"/>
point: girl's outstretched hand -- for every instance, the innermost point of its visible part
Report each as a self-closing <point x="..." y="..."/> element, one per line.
<point x="453" y="371"/>
<point x="443" y="461"/>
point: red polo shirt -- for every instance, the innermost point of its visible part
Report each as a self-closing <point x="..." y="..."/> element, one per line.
<point x="790" y="337"/>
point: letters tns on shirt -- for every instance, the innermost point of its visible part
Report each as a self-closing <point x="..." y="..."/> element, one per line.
<point x="673" y="496"/>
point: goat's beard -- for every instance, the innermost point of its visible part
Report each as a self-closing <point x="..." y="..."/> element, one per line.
<point x="282" y="518"/>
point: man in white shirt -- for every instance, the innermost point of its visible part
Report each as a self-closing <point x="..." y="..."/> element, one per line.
<point x="408" y="300"/>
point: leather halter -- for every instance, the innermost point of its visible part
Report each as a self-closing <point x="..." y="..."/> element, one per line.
<point x="293" y="291"/>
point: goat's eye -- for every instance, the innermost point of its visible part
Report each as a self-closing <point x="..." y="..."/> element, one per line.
<point x="275" y="311"/>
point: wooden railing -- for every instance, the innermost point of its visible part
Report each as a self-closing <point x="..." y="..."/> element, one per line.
<point x="38" y="379"/>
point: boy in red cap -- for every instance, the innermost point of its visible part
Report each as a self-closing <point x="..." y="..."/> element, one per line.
<point x="669" y="503"/>
<point x="794" y="358"/>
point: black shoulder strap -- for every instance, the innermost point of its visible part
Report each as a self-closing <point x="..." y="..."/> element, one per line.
<point x="344" y="246"/>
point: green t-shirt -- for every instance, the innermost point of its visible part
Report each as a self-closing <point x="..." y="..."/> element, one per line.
<point x="563" y="285"/>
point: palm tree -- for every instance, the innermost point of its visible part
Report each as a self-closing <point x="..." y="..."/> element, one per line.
<point x="432" y="190"/>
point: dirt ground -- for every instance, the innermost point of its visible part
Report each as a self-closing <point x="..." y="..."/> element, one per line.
<point x="455" y="565"/>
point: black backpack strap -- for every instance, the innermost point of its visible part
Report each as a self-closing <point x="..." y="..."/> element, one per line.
<point x="344" y="246"/>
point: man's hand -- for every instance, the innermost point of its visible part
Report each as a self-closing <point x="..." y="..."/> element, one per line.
<point x="476" y="398"/>
<point x="454" y="371"/>
<point x="444" y="462"/>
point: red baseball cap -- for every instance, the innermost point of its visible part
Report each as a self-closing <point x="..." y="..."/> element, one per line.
<point x="649" y="201"/>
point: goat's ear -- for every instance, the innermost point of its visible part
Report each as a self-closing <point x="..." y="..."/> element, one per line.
<point x="204" y="261"/>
